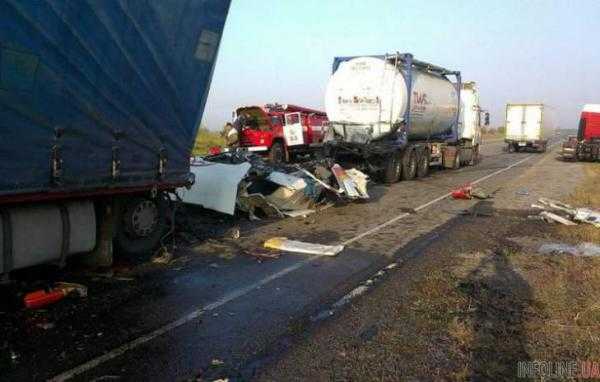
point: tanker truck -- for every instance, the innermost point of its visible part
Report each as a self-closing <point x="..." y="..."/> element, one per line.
<point x="100" y="102"/>
<point x="398" y="116"/>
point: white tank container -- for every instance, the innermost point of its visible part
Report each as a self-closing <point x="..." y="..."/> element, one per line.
<point x="469" y="127"/>
<point x="366" y="99"/>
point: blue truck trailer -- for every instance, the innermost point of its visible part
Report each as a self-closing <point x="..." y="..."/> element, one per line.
<point x="100" y="102"/>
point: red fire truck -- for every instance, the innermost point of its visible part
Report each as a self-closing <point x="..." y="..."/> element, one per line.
<point x="280" y="131"/>
<point x="586" y="145"/>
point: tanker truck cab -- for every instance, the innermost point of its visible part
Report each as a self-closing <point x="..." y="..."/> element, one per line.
<point x="393" y="115"/>
<point x="280" y="131"/>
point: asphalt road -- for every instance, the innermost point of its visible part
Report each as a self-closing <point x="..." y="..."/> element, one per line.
<point x="214" y="304"/>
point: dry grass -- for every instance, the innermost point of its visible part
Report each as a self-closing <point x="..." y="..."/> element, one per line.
<point x="205" y="140"/>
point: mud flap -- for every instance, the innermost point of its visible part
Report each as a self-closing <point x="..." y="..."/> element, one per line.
<point x="448" y="156"/>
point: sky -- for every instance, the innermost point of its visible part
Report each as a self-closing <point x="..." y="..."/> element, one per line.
<point x="516" y="50"/>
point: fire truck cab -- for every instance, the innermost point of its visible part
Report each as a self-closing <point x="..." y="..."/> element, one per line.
<point x="280" y="131"/>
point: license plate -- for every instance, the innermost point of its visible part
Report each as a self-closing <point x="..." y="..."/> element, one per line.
<point x="522" y="144"/>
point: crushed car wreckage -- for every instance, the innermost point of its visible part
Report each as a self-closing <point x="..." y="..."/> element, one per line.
<point x="243" y="181"/>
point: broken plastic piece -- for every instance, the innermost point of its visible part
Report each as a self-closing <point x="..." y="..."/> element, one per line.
<point x="42" y="298"/>
<point x="283" y="244"/>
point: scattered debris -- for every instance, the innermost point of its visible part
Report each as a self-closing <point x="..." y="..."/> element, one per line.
<point x="162" y="257"/>
<point x="216" y="185"/>
<point x="246" y="182"/>
<point x="353" y="182"/>
<point x="217" y="362"/>
<point x="44" y="297"/>
<point x="583" y="249"/>
<point x="263" y="255"/>
<point x="557" y="218"/>
<point x="283" y="244"/>
<point x="556" y="211"/>
<point x="522" y="192"/>
<point x="468" y="192"/>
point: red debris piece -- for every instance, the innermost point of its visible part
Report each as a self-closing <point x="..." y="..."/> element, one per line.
<point x="463" y="192"/>
<point x="215" y="150"/>
<point x="44" y="297"/>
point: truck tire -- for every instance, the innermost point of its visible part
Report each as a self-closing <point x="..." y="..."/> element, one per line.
<point x="423" y="166"/>
<point x="277" y="153"/>
<point x="141" y="223"/>
<point x="392" y="168"/>
<point x="457" y="160"/>
<point x="474" y="155"/>
<point x="409" y="165"/>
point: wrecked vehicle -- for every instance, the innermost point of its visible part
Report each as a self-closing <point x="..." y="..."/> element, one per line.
<point x="100" y="109"/>
<point x="279" y="132"/>
<point x="242" y="181"/>
<point x="397" y="116"/>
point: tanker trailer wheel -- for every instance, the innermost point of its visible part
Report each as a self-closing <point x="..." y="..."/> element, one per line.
<point x="424" y="159"/>
<point x="392" y="168"/>
<point x="409" y="165"/>
<point x="277" y="152"/>
<point x="141" y="225"/>
<point x="474" y="156"/>
<point x="457" y="160"/>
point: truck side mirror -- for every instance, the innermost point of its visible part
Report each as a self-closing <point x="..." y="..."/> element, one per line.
<point x="487" y="119"/>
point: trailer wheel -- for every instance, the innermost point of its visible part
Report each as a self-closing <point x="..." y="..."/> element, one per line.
<point x="457" y="160"/>
<point x="277" y="153"/>
<point x="474" y="156"/>
<point x="424" y="160"/>
<point x="409" y="165"/>
<point x="392" y="168"/>
<point x="141" y="224"/>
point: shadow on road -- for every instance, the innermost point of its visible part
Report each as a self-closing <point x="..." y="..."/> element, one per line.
<point x="501" y="299"/>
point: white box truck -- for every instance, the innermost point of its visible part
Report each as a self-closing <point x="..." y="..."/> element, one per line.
<point x="528" y="125"/>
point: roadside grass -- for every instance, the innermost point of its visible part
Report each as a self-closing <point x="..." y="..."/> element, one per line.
<point x="586" y="194"/>
<point x="205" y="140"/>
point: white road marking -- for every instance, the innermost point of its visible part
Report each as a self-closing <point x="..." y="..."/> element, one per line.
<point x="245" y="290"/>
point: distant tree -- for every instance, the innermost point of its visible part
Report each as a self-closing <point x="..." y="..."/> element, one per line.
<point x="501" y="130"/>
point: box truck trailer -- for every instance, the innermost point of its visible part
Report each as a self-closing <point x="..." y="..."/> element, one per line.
<point x="528" y="125"/>
<point x="586" y="145"/>
<point x="100" y="102"/>
<point x="399" y="115"/>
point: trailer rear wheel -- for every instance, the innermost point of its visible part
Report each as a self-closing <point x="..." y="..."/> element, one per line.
<point x="392" y="168"/>
<point x="141" y="225"/>
<point x="409" y="165"/>
<point x="424" y="161"/>
<point x="457" y="160"/>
